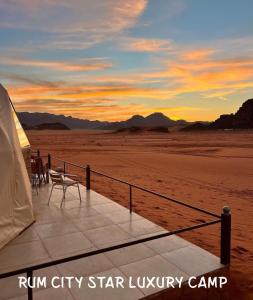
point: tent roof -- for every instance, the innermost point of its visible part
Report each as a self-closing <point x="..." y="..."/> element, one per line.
<point x="23" y="140"/>
<point x="21" y="133"/>
<point x="16" y="211"/>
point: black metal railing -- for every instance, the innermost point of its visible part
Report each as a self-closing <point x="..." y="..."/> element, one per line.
<point x="224" y="219"/>
<point x="29" y="270"/>
<point x="88" y="172"/>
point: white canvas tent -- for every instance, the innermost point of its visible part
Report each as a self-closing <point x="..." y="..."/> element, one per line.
<point x="16" y="211"/>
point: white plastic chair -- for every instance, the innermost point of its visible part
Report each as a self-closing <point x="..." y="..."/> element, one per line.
<point x="60" y="182"/>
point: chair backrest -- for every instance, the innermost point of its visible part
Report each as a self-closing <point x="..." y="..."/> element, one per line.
<point x="56" y="178"/>
<point x="39" y="163"/>
<point x="34" y="168"/>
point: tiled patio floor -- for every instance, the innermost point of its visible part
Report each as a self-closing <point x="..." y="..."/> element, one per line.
<point x="96" y="222"/>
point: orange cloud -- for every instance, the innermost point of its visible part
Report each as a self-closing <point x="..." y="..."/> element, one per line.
<point x="106" y="112"/>
<point x="93" y="65"/>
<point x="93" y="109"/>
<point x="146" y="45"/>
<point x="199" y="54"/>
<point x="198" y="71"/>
<point x="63" y="91"/>
<point x="185" y="112"/>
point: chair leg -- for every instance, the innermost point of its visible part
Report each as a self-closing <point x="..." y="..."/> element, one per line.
<point x="63" y="196"/>
<point x="43" y="177"/>
<point x="39" y="175"/>
<point x="79" y="192"/>
<point x="50" y="194"/>
<point x="36" y="188"/>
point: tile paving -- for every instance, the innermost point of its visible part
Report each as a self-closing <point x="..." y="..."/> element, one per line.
<point x="96" y="222"/>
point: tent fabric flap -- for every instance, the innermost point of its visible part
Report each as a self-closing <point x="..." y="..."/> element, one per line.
<point x="16" y="211"/>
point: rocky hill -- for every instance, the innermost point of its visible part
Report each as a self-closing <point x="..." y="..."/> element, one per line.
<point x="32" y="120"/>
<point x="153" y="120"/>
<point x="50" y="126"/>
<point x="197" y="126"/>
<point x="243" y="118"/>
<point x="35" y="119"/>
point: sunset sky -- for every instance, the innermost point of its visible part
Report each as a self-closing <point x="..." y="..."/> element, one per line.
<point x="111" y="59"/>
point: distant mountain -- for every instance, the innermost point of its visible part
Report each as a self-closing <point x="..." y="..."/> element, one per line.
<point x="134" y="129"/>
<point x="51" y="126"/>
<point x="223" y="122"/>
<point x="35" y="119"/>
<point x="196" y="126"/>
<point x="243" y="118"/>
<point x="160" y="129"/>
<point x="137" y="129"/>
<point x="154" y="120"/>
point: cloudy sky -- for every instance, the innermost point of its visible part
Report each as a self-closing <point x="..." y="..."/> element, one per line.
<point x="110" y="59"/>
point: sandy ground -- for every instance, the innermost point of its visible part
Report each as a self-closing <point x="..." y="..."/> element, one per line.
<point x="208" y="170"/>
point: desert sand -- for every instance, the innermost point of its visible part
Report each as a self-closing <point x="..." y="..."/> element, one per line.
<point x="208" y="170"/>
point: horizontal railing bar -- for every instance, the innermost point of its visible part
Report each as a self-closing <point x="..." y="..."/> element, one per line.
<point x="64" y="161"/>
<point x="103" y="250"/>
<point x="70" y="163"/>
<point x="144" y="189"/>
<point x="110" y="177"/>
<point x="158" y="195"/>
<point x="179" y="202"/>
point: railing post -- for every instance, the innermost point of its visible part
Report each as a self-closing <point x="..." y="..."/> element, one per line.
<point x="130" y="199"/>
<point x="38" y="153"/>
<point x="64" y="168"/>
<point x="30" y="283"/>
<point x="87" y="177"/>
<point x="49" y="161"/>
<point x="48" y="167"/>
<point x="225" y="246"/>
